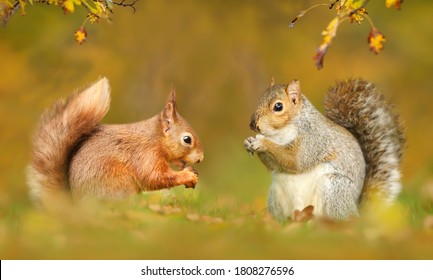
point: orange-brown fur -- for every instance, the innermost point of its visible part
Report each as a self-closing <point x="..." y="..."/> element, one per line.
<point x="283" y="158"/>
<point x="72" y="151"/>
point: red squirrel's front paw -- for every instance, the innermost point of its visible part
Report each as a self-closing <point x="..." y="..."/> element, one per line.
<point x="191" y="177"/>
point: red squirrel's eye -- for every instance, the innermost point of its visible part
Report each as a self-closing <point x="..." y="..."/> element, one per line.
<point x="278" y="107"/>
<point x="187" y="140"/>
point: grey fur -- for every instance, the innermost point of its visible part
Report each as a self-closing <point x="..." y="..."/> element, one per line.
<point x="357" y="148"/>
<point x="359" y="107"/>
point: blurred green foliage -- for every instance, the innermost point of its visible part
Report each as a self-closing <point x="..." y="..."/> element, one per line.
<point x="220" y="56"/>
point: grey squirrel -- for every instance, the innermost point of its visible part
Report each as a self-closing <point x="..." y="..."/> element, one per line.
<point x="74" y="154"/>
<point x="335" y="162"/>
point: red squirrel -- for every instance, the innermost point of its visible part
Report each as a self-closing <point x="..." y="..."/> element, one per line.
<point x="73" y="152"/>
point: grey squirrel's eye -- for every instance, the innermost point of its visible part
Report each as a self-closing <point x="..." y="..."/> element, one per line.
<point x="278" y="107"/>
<point x="187" y="140"/>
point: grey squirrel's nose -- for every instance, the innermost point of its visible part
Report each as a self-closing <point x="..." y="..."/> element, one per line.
<point x="253" y="125"/>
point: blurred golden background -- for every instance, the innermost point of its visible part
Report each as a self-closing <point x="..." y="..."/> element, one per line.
<point x="220" y="55"/>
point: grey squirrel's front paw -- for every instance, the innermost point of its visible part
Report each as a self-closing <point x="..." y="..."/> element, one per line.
<point x="254" y="144"/>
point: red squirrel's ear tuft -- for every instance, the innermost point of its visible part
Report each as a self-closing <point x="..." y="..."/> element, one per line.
<point x="169" y="112"/>
<point x="293" y="90"/>
<point x="172" y="96"/>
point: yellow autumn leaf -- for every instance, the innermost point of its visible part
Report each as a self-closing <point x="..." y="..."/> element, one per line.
<point x="351" y="5"/>
<point x="348" y="6"/>
<point x="328" y="34"/>
<point x="69" y="5"/>
<point x="102" y="10"/>
<point x="22" y="5"/>
<point x="80" y="35"/>
<point x="330" y="31"/>
<point x="376" y="40"/>
<point x="92" y="18"/>
<point x="358" y="15"/>
<point x="395" y="3"/>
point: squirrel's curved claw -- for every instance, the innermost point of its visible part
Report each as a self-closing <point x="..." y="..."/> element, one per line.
<point x="248" y="146"/>
<point x="254" y="144"/>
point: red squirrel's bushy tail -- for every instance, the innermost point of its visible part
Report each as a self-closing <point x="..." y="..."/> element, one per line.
<point x="59" y="131"/>
<point x="358" y="106"/>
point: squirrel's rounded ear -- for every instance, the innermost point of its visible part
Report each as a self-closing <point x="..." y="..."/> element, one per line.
<point x="272" y="82"/>
<point x="293" y="90"/>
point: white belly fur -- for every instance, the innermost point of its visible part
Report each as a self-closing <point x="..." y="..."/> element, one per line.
<point x="295" y="192"/>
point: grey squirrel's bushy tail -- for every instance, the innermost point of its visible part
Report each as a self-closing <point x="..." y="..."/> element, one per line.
<point x="58" y="132"/>
<point x="357" y="105"/>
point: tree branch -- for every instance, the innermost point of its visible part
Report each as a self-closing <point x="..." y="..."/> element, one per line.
<point x="123" y="3"/>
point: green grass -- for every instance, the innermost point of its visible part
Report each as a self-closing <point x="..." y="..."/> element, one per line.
<point x="180" y="224"/>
